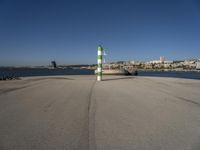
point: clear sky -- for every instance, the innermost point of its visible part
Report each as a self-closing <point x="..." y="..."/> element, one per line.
<point x="33" y="32"/>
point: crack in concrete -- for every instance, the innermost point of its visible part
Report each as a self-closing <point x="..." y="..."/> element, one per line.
<point x="91" y="121"/>
<point x="188" y="100"/>
<point x="12" y="89"/>
<point x="181" y="98"/>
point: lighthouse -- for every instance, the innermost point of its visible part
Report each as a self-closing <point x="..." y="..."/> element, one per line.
<point x="99" y="62"/>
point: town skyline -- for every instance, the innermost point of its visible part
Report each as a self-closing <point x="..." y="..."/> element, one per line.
<point x="161" y="59"/>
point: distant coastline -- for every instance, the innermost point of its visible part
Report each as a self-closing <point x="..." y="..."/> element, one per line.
<point x="170" y="70"/>
<point x="93" y="67"/>
<point x="28" y="72"/>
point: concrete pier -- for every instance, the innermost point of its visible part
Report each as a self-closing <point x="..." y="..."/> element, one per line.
<point x="127" y="113"/>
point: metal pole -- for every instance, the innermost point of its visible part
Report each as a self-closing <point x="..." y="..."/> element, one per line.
<point x="99" y="63"/>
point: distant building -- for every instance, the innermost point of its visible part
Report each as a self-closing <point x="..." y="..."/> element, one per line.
<point x="53" y="63"/>
<point x="155" y="62"/>
<point x="198" y="65"/>
<point x="168" y="62"/>
<point x="162" y="59"/>
<point x="167" y="65"/>
<point x="188" y="62"/>
<point x="133" y="62"/>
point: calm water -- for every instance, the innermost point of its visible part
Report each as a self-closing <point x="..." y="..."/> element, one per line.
<point x="24" y="72"/>
<point x="177" y="74"/>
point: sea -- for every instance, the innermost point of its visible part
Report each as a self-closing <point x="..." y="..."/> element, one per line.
<point x="27" y="72"/>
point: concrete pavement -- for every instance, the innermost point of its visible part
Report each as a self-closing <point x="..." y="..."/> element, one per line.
<point x="45" y="114"/>
<point x="119" y="113"/>
<point x="147" y="114"/>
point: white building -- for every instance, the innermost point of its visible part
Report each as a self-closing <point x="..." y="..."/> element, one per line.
<point x="135" y="62"/>
<point x="168" y="62"/>
<point x="155" y="62"/>
<point x="198" y="65"/>
<point x="162" y="59"/>
<point x="188" y="62"/>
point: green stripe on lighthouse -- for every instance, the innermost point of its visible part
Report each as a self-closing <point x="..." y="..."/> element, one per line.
<point x="100" y="48"/>
<point x="99" y="56"/>
<point x="99" y="74"/>
<point x="99" y="65"/>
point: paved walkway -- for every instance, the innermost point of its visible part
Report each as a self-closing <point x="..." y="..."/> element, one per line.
<point x="119" y="113"/>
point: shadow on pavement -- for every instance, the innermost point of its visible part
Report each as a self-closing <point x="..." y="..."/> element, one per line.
<point x="120" y="78"/>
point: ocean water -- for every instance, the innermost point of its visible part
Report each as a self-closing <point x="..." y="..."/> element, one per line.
<point x="25" y="72"/>
<point x="175" y="74"/>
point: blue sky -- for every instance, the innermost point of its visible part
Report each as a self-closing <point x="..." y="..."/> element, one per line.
<point x="33" y="32"/>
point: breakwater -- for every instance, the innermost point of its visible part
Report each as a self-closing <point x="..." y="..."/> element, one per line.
<point x="121" y="112"/>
